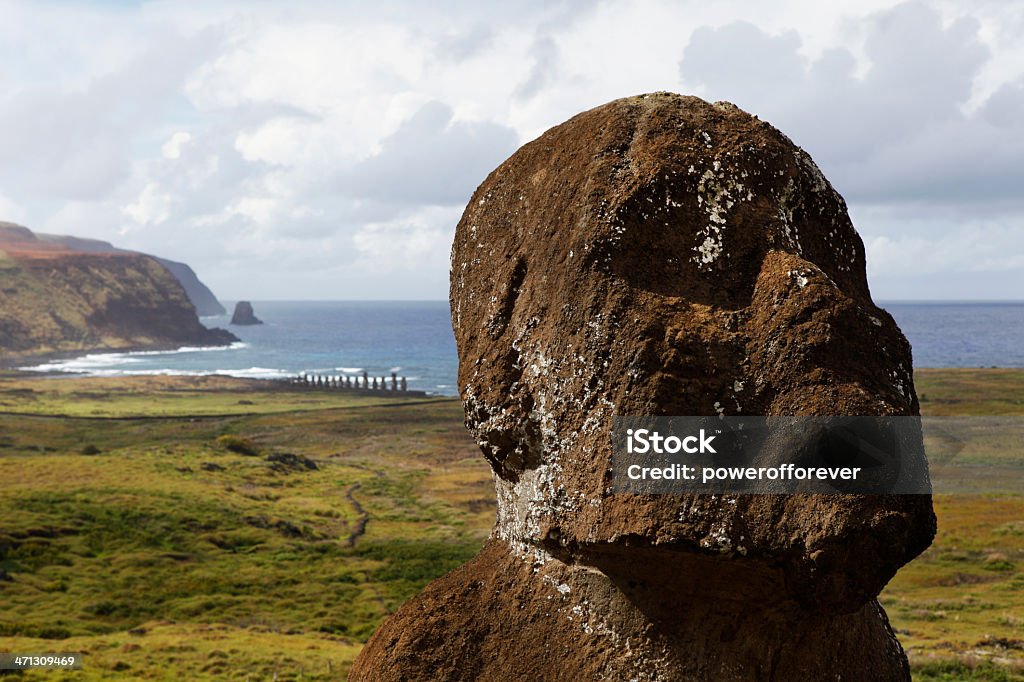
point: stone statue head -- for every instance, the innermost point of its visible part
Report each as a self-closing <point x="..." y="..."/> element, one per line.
<point x="660" y="255"/>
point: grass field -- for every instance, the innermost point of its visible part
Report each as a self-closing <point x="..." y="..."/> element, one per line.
<point x="959" y="608"/>
<point x="211" y="528"/>
<point x="223" y="547"/>
<point x="162" y="396"/>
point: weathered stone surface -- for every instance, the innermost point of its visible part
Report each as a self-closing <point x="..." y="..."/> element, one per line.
<point x="660" y="255"/>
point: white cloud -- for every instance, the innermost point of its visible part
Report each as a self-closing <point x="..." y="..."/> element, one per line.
<point x="404" y="244"/>
<point x="897" y="133"/>
<point x="104" y="218"/>
<point x="260" y="210"/>
<point x="291" y="147"/>
<point x="431" y="160"/>
<point x="10" y="211"/>
<point x="152" y="207"/>
<point x="172" y="148"/>
<point x="971" y="248"/>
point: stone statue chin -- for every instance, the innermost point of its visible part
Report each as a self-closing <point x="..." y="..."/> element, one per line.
<point x="660" y="255"/>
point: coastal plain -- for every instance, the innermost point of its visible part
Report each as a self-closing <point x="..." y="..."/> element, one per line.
<point x="218" y="528"/>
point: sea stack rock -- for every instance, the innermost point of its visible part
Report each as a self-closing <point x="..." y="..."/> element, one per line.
<point x="244" y="315"/>
<point x="661" y="255"/>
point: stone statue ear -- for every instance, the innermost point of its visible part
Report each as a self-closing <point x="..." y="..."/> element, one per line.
<point x="508" y="284"/>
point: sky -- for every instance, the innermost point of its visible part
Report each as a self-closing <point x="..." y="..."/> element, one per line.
<point x="325" y="150"/>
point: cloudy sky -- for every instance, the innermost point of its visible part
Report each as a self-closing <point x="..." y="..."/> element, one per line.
<point x="324" y="150"/>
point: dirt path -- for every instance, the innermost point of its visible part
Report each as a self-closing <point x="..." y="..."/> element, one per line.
<point x="363" y="516"/>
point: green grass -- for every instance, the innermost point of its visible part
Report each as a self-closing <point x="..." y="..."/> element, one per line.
<point x="967" y="392"/>
<point x="170" y="554"/>
<point x="959" y="608"/>
<point x="968" y="668"/>
<point x="171" y="531"/>
<point x="166" y="397"/>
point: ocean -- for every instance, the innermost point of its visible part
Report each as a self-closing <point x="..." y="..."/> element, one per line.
<point x="962" y="334"/>
<point x="414" y="339"/>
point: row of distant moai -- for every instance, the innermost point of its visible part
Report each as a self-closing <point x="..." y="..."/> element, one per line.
<point x="364" y="382"/>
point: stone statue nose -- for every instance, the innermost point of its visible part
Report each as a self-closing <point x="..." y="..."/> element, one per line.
<point x="876" y="446"/>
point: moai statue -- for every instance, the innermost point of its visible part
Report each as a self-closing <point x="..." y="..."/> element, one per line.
<point x="661" y="255"/>
<point x="405" y="386"/>
<point x="394" y="381"/>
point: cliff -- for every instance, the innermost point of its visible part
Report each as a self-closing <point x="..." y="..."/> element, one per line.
<point x="202" y="298"/>
<point x="54" y="299"/>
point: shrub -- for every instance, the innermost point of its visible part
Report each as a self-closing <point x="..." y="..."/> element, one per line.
<point x="242" y="446"/>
